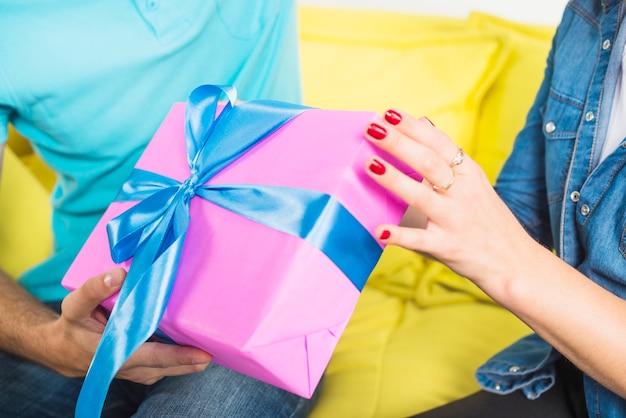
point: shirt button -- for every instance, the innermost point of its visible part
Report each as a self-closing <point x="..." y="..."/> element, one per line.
<point x="606" y="44"/>
<point x="550" y="127"/>
<point x="589" y="116"/>
<point x="514" y="369"/>
<point x="584" y="210"/>
<point x="152" y="4"/>
<point x="575" y="196"/>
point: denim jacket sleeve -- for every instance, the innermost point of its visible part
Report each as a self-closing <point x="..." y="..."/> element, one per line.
<point x="527" y="365"/>
<point x="521" y="182"/>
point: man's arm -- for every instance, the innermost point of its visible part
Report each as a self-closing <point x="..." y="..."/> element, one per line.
<point x="21" y="315"/>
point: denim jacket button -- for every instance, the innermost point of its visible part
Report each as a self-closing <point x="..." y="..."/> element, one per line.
<point x="606" y="44"/>
<point x="497" y="386"/>
<point x="575" y="196"/>
<point x="550" y="127"/>
<point x="515" y="369"/>
<point x="589" y="116"/>
<point x="584" y="210"/>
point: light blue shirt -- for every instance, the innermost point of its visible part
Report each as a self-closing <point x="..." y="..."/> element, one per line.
<point x="562" y="192"/>
<point x="88" y="82"/>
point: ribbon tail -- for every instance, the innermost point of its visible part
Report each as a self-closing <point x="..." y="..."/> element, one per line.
<point x="131" y="323"/>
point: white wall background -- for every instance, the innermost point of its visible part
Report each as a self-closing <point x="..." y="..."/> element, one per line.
<point x="526" y="11"/>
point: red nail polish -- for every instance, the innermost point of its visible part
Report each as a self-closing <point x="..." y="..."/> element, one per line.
<point x="377" y="167"/>
<point x="385" y="234"/>
<point x="393" y="117"/>
<point x="376" y="131"/>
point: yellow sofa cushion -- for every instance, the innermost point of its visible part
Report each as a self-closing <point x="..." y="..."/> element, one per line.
<point x="25" y="234"/>
<point x="425" y="65"/>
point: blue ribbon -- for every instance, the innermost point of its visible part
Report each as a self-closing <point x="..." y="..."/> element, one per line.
<point x="153" y="231"/>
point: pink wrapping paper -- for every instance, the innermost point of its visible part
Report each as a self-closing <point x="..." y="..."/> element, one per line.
<point x="263" y="303"/>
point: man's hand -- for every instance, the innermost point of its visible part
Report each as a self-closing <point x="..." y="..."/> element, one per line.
<point x="82" y="322"/>
<point x="67" y="343"/>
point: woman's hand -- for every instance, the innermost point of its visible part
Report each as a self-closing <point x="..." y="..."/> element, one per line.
<point x="76" y="333"/>
<point x="468" y="226"/>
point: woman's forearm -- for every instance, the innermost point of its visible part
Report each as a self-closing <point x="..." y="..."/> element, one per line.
<point x="582" y="320"/>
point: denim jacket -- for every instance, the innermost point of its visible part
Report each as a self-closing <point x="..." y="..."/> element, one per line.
<point x="560" y="191"/>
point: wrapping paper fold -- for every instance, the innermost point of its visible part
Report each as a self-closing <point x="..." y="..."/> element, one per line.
<point x="263" y="302"/>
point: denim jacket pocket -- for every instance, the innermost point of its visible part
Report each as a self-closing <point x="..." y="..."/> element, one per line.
<point x="561" y="119"/>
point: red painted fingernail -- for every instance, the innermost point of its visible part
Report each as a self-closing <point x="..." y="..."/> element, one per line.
<point x="393" y="117"/>
<point x="376" y="131"/>
<point x="385" y="234"/>
<point x="429" y="121"/>
<point x="377" y="167"/>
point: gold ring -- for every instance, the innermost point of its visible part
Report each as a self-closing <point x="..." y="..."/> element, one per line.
<point x="447" y="186"/>
<point x="458" y="158"/>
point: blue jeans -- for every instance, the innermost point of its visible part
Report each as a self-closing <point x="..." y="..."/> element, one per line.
<point x="29" y="390"/>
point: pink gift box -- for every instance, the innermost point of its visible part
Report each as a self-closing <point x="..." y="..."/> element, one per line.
<point x="263" y="303"/>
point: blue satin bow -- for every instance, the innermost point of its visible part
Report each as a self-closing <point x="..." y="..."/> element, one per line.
<point x="153" y="231"/>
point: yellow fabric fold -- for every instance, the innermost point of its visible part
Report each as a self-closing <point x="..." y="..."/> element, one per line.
<point x="426" y="282"/>
<point x="21" y="147"/>
<point x="25" y="234"/>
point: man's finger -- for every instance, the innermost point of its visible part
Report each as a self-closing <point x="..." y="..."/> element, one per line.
<point x="162" y="356"/>
<point x="84" y="300"/>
